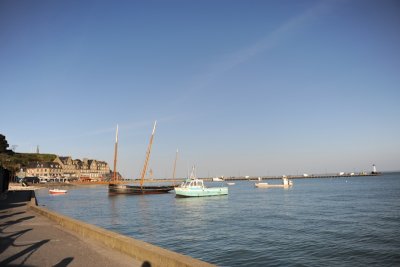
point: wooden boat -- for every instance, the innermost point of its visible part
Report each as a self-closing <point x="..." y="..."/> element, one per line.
<point x="138" y="190"/>
<point x="194" y="187"/>
<point x="117" y="188"/>
<point x="286" y="183"/>
<point x="57" y="191"/>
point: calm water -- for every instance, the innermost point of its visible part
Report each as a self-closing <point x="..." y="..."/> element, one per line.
<point x="318" y="222"/>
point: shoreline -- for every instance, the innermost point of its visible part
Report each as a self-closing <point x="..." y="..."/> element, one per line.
<point x="18" y="186"/>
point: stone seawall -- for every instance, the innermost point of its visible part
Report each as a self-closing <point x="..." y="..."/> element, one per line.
<point x="140" y="250"/>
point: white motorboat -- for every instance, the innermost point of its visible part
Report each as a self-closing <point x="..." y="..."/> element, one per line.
<point x="193" y="187"/>
<point x="286" y="183"/>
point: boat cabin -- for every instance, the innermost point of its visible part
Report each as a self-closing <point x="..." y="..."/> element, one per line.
<point x="193" y="183"/>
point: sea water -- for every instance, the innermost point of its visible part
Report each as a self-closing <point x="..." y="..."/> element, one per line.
<point x="349" y="221"/>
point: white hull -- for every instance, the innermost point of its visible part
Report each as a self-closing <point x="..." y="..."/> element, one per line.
<point x="200" y="191"/>
<point x="286" y="184"/>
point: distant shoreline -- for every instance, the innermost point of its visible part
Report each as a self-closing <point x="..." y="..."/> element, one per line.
<point x="18" y="186"/>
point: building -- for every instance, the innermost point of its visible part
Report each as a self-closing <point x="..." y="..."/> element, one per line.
<point x="69" y="166"/>
<point x="86" y="169"/>
<point x="44" y="169"/>
<point x="94" y="170"/>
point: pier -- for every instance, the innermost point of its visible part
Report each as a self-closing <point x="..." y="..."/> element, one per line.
<point x="310" y="176"/>
<point x="256" y="178"/>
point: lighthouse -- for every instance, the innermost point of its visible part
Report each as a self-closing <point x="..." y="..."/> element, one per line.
<point x="374" y="169"/>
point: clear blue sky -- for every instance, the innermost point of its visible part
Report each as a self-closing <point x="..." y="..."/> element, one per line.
<point x="240" y="87"/>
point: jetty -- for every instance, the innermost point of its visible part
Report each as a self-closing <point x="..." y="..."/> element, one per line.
<point x="310" y="176"/>
<point x="259" y="178"/>
<point x="33" y="235"/>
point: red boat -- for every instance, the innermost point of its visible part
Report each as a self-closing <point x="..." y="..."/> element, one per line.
<point x="57" y="191"/>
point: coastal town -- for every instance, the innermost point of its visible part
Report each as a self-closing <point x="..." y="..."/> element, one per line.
<point x="44" y="168"/>
<point x="66" y="168"/>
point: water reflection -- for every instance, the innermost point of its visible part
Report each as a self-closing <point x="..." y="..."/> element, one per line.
<point x="113" y="209"/>
<point x="143" y="216"/>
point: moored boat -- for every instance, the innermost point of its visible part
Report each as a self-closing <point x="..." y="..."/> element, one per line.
<point x="194" y="187"/>
<point x="286" y="183"/>
<point x="264" y="185"/>
<point x="57" y="191"/>
<point x="138" y="190"/>
<point x="117" y="188"/>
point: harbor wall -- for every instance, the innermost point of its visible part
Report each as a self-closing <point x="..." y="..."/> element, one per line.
<point x="139" y="250"/>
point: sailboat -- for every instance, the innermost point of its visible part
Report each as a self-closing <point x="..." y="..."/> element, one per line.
<point x="140" y="189"/>
<point x="115" y="186"/>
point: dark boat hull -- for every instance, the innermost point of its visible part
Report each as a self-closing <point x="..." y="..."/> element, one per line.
<point x="138" y="190"/>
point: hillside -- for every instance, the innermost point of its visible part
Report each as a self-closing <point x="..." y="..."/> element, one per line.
<point x="17" y="160"/>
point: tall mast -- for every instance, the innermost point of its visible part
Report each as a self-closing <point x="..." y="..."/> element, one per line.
<point x="115" y="156"/>
<point x="173" y="174"/>
<point x="147" y="155"/>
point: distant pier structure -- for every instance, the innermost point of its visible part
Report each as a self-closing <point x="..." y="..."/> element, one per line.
<point x="309" y="176"/>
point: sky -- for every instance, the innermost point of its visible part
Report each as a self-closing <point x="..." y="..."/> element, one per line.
<point x="239" y="87"/>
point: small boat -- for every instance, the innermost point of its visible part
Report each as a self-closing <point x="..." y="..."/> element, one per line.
<point x="230" y="183"/>
<point x="286" y="183"/>
<point x="57" y="191"/>
<point x="217" y="179"/>
<point x="264" y="185"/>
<point x="194" y="187"/>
